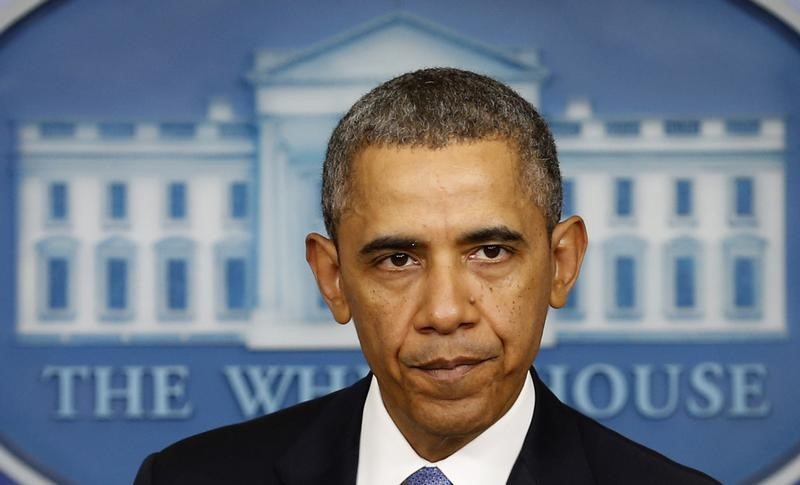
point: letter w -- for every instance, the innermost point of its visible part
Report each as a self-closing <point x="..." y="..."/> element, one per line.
<point x="259" y="389"/>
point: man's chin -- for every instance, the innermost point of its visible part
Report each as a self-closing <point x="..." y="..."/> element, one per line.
<point x="454" y="418"/>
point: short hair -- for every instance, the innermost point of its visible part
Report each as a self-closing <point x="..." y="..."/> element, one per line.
<point x="432" y="108"/>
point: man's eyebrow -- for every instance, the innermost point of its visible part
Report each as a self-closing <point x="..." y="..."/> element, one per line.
<point x="487" y="234"/>
<point x="395" y="243"/>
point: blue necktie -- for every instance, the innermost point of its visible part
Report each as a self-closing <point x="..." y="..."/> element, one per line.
<point x="427" y="475"/>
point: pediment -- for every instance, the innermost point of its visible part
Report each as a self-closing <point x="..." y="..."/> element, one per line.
<point x="389" y="46"/>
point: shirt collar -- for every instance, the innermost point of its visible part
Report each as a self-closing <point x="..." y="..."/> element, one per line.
<point x="385" y="456"/>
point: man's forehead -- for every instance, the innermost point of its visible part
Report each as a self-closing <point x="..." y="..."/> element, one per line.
<point x="421" y="146"/>
<point x="372" y="159"/>
<point x="482" y="166"/>
<point x="411" y="192"/>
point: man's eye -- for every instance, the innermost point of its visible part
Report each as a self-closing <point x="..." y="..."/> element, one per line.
<point x="490" y="253"/>
<point x="397" y="260"/>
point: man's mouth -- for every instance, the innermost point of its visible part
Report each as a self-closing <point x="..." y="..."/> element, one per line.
<point x="449" y="370"/>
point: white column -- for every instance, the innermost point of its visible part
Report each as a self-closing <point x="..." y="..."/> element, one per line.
<point x="270" y="213"/>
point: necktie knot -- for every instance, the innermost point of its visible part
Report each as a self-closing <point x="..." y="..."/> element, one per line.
<point x="427" y="475"/>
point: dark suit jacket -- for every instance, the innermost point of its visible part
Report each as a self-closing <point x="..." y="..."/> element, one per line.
<point x="317" y="443"/>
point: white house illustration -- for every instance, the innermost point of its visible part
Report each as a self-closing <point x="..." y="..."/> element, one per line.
<point x="181" y="232"/>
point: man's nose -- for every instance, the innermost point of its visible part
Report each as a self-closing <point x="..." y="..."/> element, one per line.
<point x="449" y="300"/>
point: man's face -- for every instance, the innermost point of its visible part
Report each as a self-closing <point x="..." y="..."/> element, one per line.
<point x="446" y="267"/>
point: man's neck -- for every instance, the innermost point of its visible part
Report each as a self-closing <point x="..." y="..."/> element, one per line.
<point x="435" y="447"/>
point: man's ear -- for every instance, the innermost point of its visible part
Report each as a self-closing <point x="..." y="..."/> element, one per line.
<point x="323" y="257"/>
<point x="568" y="245"/>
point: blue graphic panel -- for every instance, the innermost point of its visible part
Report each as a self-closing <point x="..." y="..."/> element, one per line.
<point x="684" y="282"/>
<point x="57" y="283"/>
<point x="177" y="130"/>
<point x="744" y="196"/>
<point x="57" y="129"/>
<point x="744" y="264"/>
<point x="239" y="200"/>
<point x="624" y="197"/>
<point x="625" y="282"/>
<point x="117" y="284"/>
<point x="177" y="200"/>
<point x="59" y="208"/>
<point x="744" y="127"/>
<point x="117" y="130"/>
<point x="635" y="64"/>
<point x="682" y="127"/>
<point x="176" y="284"/>
<point x="683" y="197"/>
<point x="235" y="282"/>
<point x="623" y="128"/>
<point x="118" y="200"/>
<point x="237" y="130"/>
<point x="744" y="283"/>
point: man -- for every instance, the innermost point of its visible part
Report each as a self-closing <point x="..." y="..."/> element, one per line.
<point x="441" y="195"/>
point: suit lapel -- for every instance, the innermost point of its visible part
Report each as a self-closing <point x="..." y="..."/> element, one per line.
<point x="552" y="451"/>
<point x="327" y="451"/>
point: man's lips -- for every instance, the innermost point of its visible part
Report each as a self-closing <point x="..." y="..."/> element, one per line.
<point x="448" y="370"/>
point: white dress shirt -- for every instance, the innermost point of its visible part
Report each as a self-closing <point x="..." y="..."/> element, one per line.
<point x="386" y="458"/>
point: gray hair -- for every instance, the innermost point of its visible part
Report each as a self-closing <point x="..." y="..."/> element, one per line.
<point x="431" y="108"/>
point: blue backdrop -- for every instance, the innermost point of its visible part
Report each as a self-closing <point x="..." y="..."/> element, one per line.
<point x="155" y="59"/>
